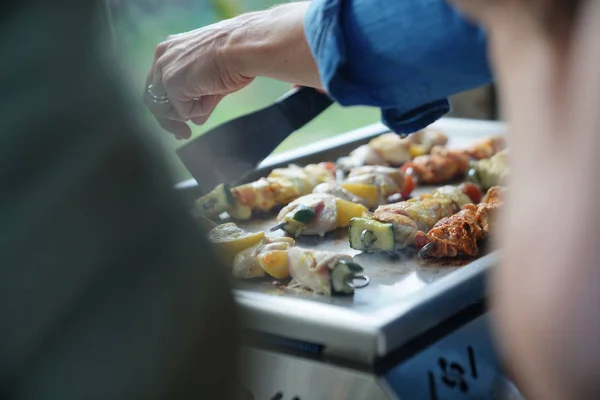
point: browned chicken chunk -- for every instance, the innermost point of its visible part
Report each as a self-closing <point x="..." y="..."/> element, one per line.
<point x="461" y="233"/>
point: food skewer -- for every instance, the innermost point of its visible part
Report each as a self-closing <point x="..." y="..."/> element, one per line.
<point x="317" y="214"/>
<point x="444" y="164"/>
<point x="332" y="205"/>
<point x="394" y="226"/>
<point x="389" y="149"/>
<point x="324" y="272"/>
<point x="487" y="147"/>
<point x="280" y="187"/>
<point x="370" y="186"/>
<point x="254" y="255"/>
<point x="460" y="233"/>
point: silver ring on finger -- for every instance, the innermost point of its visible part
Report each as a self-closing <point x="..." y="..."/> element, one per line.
<point x="156" y="98"/>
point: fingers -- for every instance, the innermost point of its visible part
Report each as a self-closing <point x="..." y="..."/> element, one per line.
<point x="181" y="130"/>
<point x="204" y="107"/>
<point x="168" y="97"/>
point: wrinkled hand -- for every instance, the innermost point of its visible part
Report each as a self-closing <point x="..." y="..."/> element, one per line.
<point x="194" y="71"/>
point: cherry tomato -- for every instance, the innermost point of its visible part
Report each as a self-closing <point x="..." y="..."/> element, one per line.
<point x="405" y="167"/>
<point x="409" y="186"/>
<point x="473" y="191"/>
<point x="328" y="166"/>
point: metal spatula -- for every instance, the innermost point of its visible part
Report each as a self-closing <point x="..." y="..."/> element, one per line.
<point x="232" y="150"/>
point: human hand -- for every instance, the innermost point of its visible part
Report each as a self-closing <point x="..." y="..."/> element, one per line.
<point x="193" y="71"/>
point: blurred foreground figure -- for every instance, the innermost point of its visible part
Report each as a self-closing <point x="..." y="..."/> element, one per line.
<point x="546" y="56"/>
<point x="107" y="288"/>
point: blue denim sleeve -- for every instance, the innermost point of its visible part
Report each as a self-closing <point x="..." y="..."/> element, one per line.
<point x="402" y="56"/>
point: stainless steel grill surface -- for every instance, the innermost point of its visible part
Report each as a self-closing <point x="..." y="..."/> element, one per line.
<point x="406" y="296"/>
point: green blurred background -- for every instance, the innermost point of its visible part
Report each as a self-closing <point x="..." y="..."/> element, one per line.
<point x="139" y="25"/>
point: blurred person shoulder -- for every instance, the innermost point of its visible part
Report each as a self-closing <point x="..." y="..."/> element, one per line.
<point x="108" y="288"/>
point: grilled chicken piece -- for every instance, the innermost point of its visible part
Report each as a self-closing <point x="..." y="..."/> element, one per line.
<point x="424" y="211"/>
<point x="492" y="203"/>
<point x="393" y="173"/>
<point x="391" y="149"/>
<point x="428" y="139"/>
<point x="362" y="155"/>
<point x="460" y="233"/>
<point x="312" y="173"/>
<point x="394" y="149"/>
<point x="269" y="256"/>
<point x="487" y="148"/>
<point x="322" y="272"/>
<point x="442" y="165"/>
<point x="387" y="185"/>
<point x="394" y="226"/>
<point x="317" y="214"/>
<point x="336" y="189"/>
<point x="369" y="185"/>
<point x="313" y="214"/>
<point x="282" y="186"/>
<point x="266" y="193"/>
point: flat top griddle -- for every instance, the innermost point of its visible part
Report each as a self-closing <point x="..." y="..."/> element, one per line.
<point x="406" y="295"/>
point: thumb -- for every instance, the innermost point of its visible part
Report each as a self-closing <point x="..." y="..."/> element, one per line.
<point x="204" y="107"/>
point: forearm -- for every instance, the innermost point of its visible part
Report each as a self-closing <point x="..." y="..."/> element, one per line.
<point x="546" y="290"/>
<point x="273" y="44"/>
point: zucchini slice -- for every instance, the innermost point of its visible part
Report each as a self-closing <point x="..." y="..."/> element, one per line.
<point x="215" y="202"/>
<point x="295" y="221"/>
<point x="371" y="235"/>
<point x="342" y="275"/>
<point x="303" y="214"/>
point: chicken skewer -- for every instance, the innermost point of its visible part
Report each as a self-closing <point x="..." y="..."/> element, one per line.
<point x="317" y="214"/>
<point x="443" y="164"/>
<point x="461" y="233"/>
<point x="324" y="272"/>
<point x="332" y="205"/>
<point x="319" y="271"/>
<point x="370" y="186"/>
<point x="280" y="187"/>
<point x="389" y="149"/>
<point x="487" y="147"/>
<point x="394" y="226"/>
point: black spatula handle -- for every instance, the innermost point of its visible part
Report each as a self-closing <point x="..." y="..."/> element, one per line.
<point x="302" y="105"/>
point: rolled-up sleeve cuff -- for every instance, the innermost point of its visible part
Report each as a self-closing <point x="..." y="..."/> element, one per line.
<point x="406" y="122"/>
<point x="404" y="111"/>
